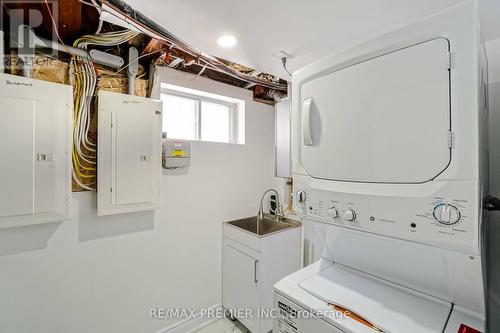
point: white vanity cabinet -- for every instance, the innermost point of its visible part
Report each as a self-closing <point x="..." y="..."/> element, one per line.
<point x="251" y="265"/>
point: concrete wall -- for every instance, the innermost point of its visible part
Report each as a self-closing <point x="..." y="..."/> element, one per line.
<point x="102" y="274"/>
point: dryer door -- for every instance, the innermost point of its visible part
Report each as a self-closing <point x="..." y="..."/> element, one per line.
<point x="382" y="120"/>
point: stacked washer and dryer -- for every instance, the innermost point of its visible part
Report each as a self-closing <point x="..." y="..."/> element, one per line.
<point x="390" y="171"/>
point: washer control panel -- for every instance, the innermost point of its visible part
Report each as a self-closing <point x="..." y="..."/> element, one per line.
<point x="448" y="218"/>
<point x="349" y="215"/>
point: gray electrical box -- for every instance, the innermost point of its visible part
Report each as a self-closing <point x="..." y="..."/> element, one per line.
<point x="176" y="154"/>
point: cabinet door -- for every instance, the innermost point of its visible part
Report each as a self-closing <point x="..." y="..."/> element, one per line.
<point x="129" y="164"/>
<point x="132" y="171"/>
<point x="35" y="141"/>
<point x="240" y="279"/>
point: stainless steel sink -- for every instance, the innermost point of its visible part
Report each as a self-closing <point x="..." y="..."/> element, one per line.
<point x="265" y="226"/>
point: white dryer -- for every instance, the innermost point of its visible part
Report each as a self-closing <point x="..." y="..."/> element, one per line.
<point x="389" y="167"/>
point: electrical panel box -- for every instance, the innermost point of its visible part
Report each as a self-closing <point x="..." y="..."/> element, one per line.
<point x="176" y="154"/>
<point x="35" y="142"/>
<point x="2" y="54"/>
<point x="130" y="153"/>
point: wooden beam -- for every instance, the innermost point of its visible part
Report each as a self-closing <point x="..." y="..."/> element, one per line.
<point x="154" y="45"/>
<point x="70" y="18"/>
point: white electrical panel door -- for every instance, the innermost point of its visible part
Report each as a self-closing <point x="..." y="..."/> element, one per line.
<point x="35" y="142"/>
<point x="382" y="120"/>
<point x="2" y="62"/>
<point x="129" y="161"/>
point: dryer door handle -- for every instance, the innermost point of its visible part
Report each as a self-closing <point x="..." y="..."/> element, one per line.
<point x="306" y="121"/>
<point x="255" y="275"/>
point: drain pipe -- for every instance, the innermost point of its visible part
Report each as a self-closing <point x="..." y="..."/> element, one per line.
<point x="132" y="69"/>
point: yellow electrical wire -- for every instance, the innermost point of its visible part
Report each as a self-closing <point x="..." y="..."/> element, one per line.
<point x="80" y="93"/>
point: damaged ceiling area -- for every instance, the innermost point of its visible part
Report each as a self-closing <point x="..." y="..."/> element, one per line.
<point x="64" y="22"/>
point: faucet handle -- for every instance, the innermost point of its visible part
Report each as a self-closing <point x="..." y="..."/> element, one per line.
<point x="279" y="212"/>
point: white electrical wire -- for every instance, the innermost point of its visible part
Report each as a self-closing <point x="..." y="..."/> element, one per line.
<point x="85" y="82"/>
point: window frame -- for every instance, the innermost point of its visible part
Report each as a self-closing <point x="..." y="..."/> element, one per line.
<point x="234" y="114"/>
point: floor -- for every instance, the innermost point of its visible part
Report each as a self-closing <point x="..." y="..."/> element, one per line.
<point x="223" y="326"/>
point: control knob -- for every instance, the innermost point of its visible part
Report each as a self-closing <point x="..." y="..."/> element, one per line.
<point x="349" y="215"/>
<point x="301" y="196"/>
<point x="333" y="212"/>
<point x="446" y="214"/>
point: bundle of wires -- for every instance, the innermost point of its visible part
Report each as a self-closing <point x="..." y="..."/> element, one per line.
<point x="85" y="81"/>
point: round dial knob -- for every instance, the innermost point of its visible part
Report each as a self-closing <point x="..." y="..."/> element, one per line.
<point x="301" y="196"/>
<point x="446" y="214"/>
<point x="349" y="215"/>
<point x="333" y="212"/>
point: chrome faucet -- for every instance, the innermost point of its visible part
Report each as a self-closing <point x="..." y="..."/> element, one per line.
<point x="279" y="209"/>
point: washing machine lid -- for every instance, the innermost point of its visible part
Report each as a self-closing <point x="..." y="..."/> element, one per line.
<point x="388" y="307"/>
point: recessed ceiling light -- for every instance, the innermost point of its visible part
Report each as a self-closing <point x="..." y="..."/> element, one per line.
<point x="227" y="41"/>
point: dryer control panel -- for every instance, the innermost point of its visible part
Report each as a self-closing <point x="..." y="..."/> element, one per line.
<point x="440" y="219"/>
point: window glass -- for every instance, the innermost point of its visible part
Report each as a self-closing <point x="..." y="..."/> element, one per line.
<point x="180" y="117"/>
<point x="215" y="122"/>
<point x="190" y="114"/>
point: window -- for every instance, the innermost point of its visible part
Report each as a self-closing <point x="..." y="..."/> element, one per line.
<point x="190" y="114"/>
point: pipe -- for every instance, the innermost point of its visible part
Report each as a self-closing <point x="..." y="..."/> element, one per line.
<point x="96" y="56"/>
<point x="277" y="95"/>
<point x="132" y="69"/>
<point x="27" y="67"/>
<point x="106" y="59"/>
<point x="42" y="42"/>
<point x="122" y="10"/>
<point x="25" y="41"/>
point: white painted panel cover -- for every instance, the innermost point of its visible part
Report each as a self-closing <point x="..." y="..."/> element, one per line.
<point x="45" y="173"/>
<point x="127" y="149"/>
<point x="17" y="147"/>
<point x="133" y="144"/>
<point x="35" y="141"/>
<point x="382" y="120"/>
<point x="129" y="164"/>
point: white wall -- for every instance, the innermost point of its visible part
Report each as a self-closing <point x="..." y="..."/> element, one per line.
<point x="103" y="274"/>
<point x="494" y="132"/>
<point x="493" y="53"/>
<point x="493" y="265"/>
